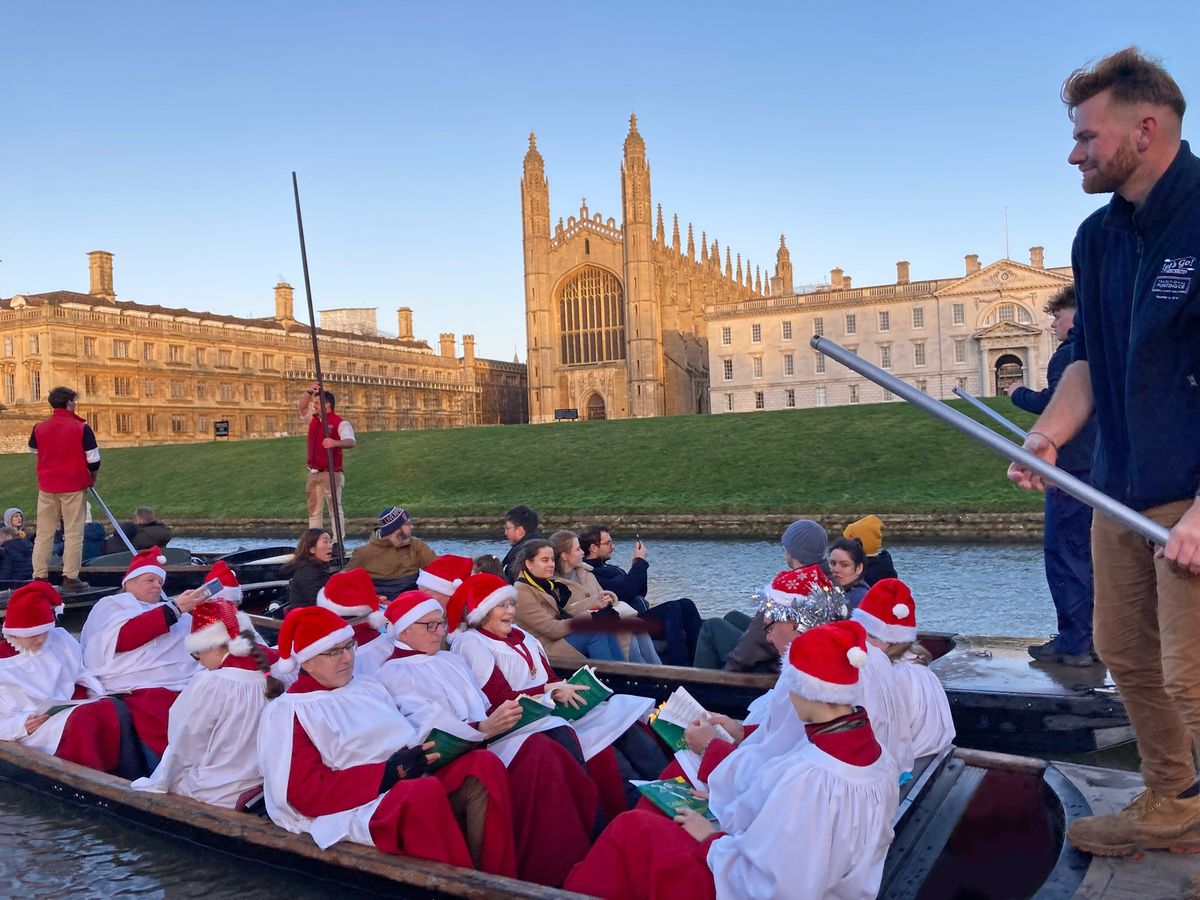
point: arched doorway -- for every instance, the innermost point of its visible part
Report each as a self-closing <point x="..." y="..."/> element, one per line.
<point x="595" y="408"/>
<point x="1009" y="368"/>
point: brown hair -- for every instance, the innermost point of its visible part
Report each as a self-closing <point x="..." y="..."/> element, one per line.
<point x="306" y="544"/>
<point x="528" y="551"/>
<point x="561" y="541"/>
<point x="487" y="563"/>
<point x="274" y="686"/>
<point x="895" y="651"/>
<point x="1132" y="78"/>
<point x="1060" y="299"/>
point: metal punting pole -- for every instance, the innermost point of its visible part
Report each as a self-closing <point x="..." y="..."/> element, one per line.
<point x="117" y="530"/>
<point x="1081" y="491"/>
<point x="990" y="413"/>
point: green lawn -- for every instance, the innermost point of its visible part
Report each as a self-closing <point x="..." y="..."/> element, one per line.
<point x="888" y="458"/>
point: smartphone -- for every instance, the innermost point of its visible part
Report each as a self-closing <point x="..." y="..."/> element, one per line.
<point x="210" y="588"/>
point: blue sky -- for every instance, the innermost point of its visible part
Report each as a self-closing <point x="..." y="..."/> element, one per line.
<point x="867" y="132"/>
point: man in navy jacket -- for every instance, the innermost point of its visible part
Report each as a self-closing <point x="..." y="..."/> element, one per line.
<point x="1137" y="365"/>
<point x="1067" y="524"/>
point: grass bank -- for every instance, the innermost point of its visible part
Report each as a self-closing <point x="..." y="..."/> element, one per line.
<point x="887" y="458"/>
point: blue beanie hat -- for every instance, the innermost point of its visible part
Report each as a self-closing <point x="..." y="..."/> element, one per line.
<point x="806" y="542"/>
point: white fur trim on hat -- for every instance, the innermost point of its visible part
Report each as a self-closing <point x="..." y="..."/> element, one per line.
<point x="375" y="616"/>
<point x="147" y="569"/>
<point x="423" y="608"/>
<point x="328" y="642"/>
<point x="207" y="638"/>
<point x="232" y="594"/>
<point x="878" y="629"/>
<point x="31" y="631"/>
<point x="812" y="688"/>
<point x="239" y="646"/>
<point x="244" y="623"/>
<point x="490" y="602"/>
<point x="431" y="582"/>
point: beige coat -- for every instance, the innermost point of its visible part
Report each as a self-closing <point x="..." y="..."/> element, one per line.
<point x="537" y="614"/>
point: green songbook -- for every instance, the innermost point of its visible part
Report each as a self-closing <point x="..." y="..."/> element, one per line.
<point x="673" y="795"/>
<point x="449" y="746"/>
<point x="55" y="710"/>
<point x="597" y="692"/>
<point x="531" y="711"/>
<point x="671" y="734"/>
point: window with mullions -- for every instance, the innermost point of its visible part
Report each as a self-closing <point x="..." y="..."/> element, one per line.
<point x="591" y="318"/>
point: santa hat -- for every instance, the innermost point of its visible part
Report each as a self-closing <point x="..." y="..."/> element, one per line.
<point x="307" y="632"/>
<point x="351" y="595"/>
<point x="824" y="662"/>
<point x="217" y="623"/>
<point x="479" y="595"/>
<point x="445" y="574"/>
<point x="888" y="612"/>
<point x="407" y="608"/>
<point x="146" y="562"/>
<point x="31" y="609"/>
<point x="231" y="590"/>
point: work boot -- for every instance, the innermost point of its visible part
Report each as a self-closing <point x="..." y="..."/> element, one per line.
<point x="73" y="586"/>
<point x="1047" y="652"/>
<point x="1080" y="661"/>
<point x="1151" y="821"/>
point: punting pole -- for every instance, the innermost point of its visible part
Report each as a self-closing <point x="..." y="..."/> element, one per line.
<point x="1081" y="491"/>
<point x="990" y="413"/>
<point x="117" y="530"/>
<point x="312" y="328"/>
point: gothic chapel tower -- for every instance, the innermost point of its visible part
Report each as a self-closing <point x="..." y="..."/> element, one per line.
<point x="539" y="310"/>
<point x="642" y="328"/>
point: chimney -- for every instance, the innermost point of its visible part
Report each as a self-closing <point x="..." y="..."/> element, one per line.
<point x="845" y="282"/>
<point x="101" y="276"/>
<point x="283" y="302"/>
<point x="404" y="323"/>
<point x="469" y="349"/>
<point x="972" y="263"/>
<point x="1037" y="257"/>
<point x="902" y="272"/>
<point x="835" y="279"/>
<point x="446" y="339"/>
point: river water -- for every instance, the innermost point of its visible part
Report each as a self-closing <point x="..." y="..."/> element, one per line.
<point x="50" y="848"/>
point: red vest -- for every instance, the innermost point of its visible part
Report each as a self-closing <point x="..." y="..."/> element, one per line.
<point x="61" y="463"/>
<point x="318" y="457"/>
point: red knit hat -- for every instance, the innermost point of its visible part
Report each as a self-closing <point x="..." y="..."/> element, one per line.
<point x="31" y="609"/>
<point x="445" y="574"/>
<point x="888" y="612"/>
<point x="306" y="632"/>
<point x="351" y="595"/>
<point x="824" y="662"/>
<point x="479" y="595"/>
<point x="407" y="608"/>
<point x="216" y="623"/>
<point x="231" y="590"/>
<point x="146" y="562"/>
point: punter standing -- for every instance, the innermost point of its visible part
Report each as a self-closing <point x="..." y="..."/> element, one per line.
<point x="336" y="436"/>
<point x="1137" y="366"/>
<point x="67" y="462"/>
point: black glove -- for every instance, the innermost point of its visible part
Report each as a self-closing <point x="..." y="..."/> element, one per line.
<point x="405" y="763"/>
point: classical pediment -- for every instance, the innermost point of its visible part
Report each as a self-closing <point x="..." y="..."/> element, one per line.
<point x="1005" y="276"/>
<point x="1007" y="331"/>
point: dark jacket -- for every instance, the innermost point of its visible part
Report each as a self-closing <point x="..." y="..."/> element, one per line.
<point x="143" y="537"/>
<point x="510" y="558"/>
<point x="878" y="567"/>
<point x="1138" y="327"/>
<point x="305" y="580"/>
<point x="16" y="560"/>
<point x="753" y="653"/>
<point x="629" y="586"/>
<point x="1075" y="456"/>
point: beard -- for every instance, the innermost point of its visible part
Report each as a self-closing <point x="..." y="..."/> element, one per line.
<point x="1109" y="177"/>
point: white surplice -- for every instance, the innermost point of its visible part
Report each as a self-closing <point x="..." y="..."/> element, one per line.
<point x="932" y="723"/>
<point x="162" y="662"/>
<point x="31" y="683"/>
<point x="212" y="737"/>
<point x="350" y="726"/>
<point x="886" y="699"/>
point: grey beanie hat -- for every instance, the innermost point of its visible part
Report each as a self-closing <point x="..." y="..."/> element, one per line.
<point x="805" y="541"/>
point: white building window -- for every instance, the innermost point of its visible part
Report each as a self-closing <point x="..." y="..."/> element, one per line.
<point x="729" y="402"/>
<point x="728" y="369"/>
<point x="854" y="393"/>
<point x="789" y="364"/>
<point x="822" y="397"/>
<point x="756" y="365"/>
<point x="958" y="314"/>
<point x="820" y="366"/>
<point x="759" y="403"/>
<point x="726" y="336"/>
<point x="962" y="383"/>
<point x="819" y="326"/>
<point x="789" y="398"/>
<point x="851" y="323"/>
<point x="918" y="353"/>
<point x="787" y="331"/>
<point x="885" y="320"/>
<point x="756" y="334"/>
<point x="922" y="385"/>
<point x="960" y="350"/>
<point x="887" y="395"/>
<point x="885" y="356"/>
<point x="918" y="317"/>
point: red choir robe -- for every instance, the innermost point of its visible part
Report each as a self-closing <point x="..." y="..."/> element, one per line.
<point x="551" y="793"/>
<point x="812" y="823"/>
<point x="323" y="753"/>
<point x="31" y="683"/>
<point x="137" y="649"/>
